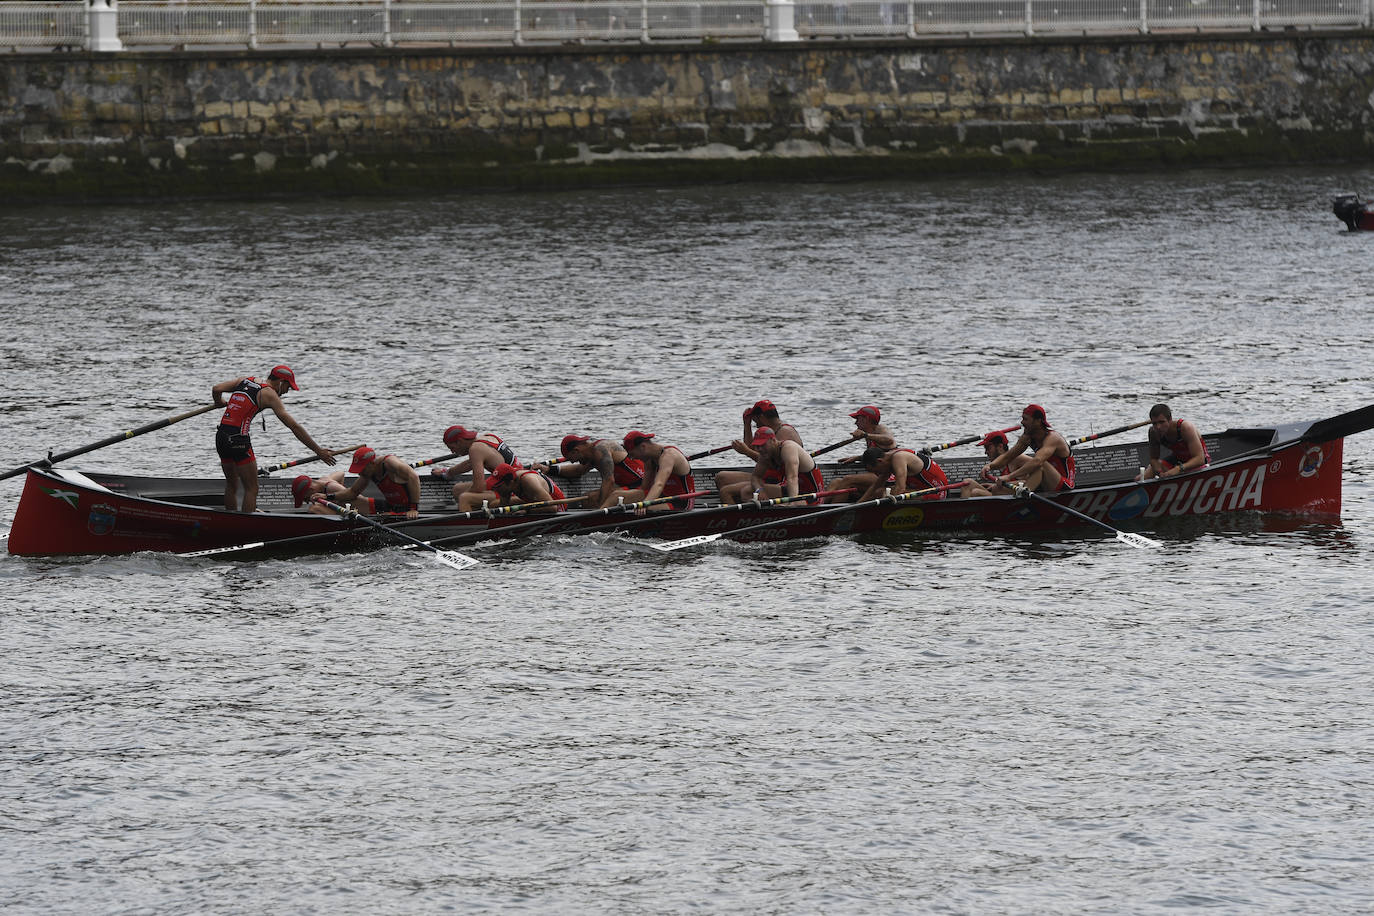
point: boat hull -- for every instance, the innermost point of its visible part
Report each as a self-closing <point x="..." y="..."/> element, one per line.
<point x="63" y="516"/>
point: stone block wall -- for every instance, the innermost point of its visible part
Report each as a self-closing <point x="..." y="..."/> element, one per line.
<point x="79" y="125"/>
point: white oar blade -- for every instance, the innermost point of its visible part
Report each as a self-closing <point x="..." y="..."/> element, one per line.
<point x="456" y="560"/>
<point x="686" y="542"/>
<point x="213" y="551"/>
<point x="1137" y="540"/>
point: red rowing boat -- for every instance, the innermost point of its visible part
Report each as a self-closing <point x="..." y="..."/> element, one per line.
<point x="1289" y="470"/>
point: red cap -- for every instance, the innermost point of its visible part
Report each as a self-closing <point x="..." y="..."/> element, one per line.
<point x="570" y="442"/>
<point x="761" y="435"/>
<point x="300" y="488"/>
<point x="502" y="472"/>
<point x="361" y="459"/>
<point x="455" y="432"/>
<point x="994" y="436"/>
<point x="869" y="411"/>
<point x="284" y="372"/>
<point x="764" y="406"/>
<point x="1035" y="410"/>
<point x="633" y="438"/>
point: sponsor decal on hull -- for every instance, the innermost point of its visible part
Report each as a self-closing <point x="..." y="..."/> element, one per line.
<point x="1226" y="491"/>
<point x="904" y="519"/>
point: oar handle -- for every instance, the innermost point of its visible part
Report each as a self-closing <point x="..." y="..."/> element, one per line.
<point x="52" y="459"/>
<point x="1108" y="432"/>
<point x="263" y="472"/>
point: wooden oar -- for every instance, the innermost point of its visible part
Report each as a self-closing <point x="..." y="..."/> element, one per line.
<point x="428" y="461"/>
<point x="1127" y="537"/>
<point x="968" y="439"/>
<point x="846" y="507"/>
<point x="1106" y="432"/>
<point x="834" y="445"/>
<point x="264" y="472"/>
<point x="127" y="434"/>
<point x="447" y="557"/>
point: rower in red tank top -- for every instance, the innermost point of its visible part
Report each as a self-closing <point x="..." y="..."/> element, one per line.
<point x="902" y="470"/>
<point x="1049" y="466"/>
<point x="616" y="468"/>
<point x="397" y="481"/>
<point x="666" y="471"/>
<point x="1187" y="451"/>
<point x="512" y="485"/>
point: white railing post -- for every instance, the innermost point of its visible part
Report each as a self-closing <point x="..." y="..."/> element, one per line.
<point x="386" y="24"/>
<point x="911" y="19"/>
<point x="1030" y="30"/>
<point x="1255" y="22"/>
<point x="1144" y="17"/>
<point x="102" y="17"/>
<point x="253" y="24"/>
<point x="782" y="21"/>
<point x="519" y="33"/>
<point x="644" y="21"/>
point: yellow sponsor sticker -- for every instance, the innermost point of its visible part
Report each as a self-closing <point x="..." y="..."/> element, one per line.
<point x="904" y="519"/>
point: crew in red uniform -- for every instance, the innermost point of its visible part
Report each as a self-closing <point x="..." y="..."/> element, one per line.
<point x="1187" y="451"/>
<point x="667" y="472"/>
<point x="480" y="452"/>
<point x="765" y="414"/>
<point x="784" y="468"/>
<point x="510" y="485"/>
<point x="247" y="397"/>
<point x="994" y="445"/>
<point x="869" y="427"/>
<point x="1049" y="466"/>
<point x="607" y="457"/>
<point x="902" y="470"/>
<point x="397" y="481"/>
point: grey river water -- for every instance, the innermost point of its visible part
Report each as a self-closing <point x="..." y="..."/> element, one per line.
<point x="847" y="725"/>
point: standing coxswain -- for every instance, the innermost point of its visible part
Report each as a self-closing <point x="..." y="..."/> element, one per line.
<point x="246" y="398"/>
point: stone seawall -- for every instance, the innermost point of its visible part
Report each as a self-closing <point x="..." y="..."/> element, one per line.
<point x="77" y="125"/>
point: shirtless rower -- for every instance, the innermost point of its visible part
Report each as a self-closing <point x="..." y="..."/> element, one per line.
<point x="1187" y="451"/>
<point x="1049" y="466"/>
<point x="607" y="457"/>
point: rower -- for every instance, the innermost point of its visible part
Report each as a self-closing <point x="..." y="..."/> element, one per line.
<point x="667" y="472"/>
<point x="1187" y="451"/>
<point x="398" y="482"/>
<point x="510" y="485"/>
<point x="1049" y="466"/>
<point x="248" y="396"/>
<point x="902" y="470"/>
<point x="994" y="444"/>
<point x="606" y="456"/>
<point x="481" y="452"/>
<point x="869" y="427"/>
<point x="765" y="414"/>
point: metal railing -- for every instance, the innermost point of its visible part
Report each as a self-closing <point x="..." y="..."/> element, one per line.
<point x="153" y="23"/>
